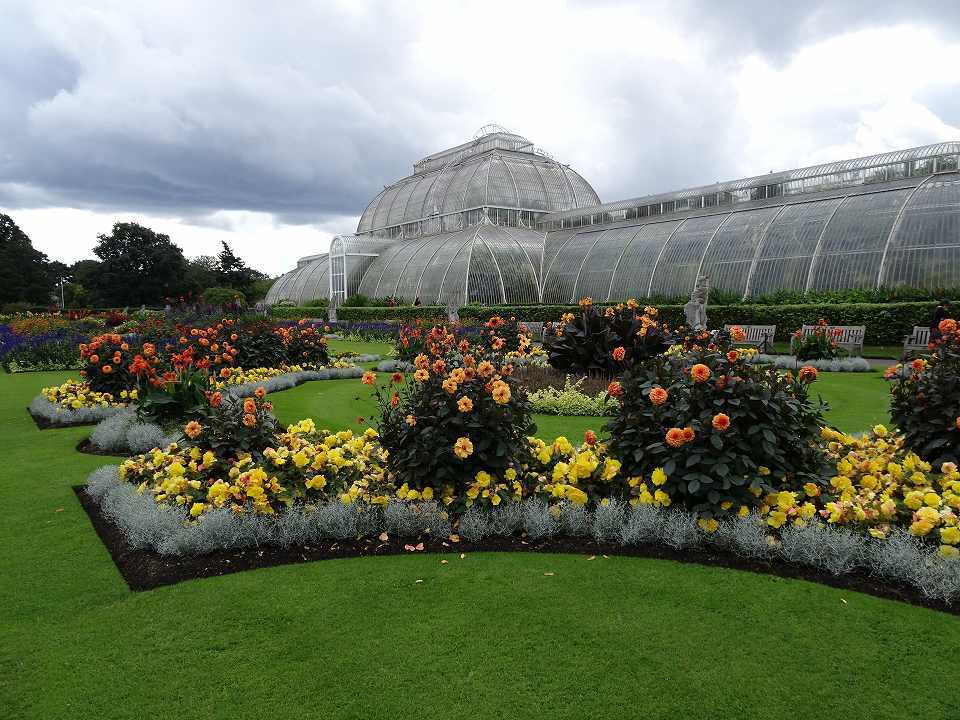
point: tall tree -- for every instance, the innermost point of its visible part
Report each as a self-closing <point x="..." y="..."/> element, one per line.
<point x="138" y="267"/>
<point x="24" y="270"/>
<point x="202" y="272"/>
<point x="234" y="273"/>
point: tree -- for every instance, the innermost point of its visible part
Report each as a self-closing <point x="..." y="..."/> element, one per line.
<point x="24" y="270"/>
<point x="202" y="272"/>
<point x="234" y="273"/>
<point x="138" y="267"/>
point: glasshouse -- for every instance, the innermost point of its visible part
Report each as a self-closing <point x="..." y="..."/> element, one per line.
<point x="498" y="220"/>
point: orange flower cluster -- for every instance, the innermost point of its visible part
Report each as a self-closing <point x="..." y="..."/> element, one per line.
<point x="210" y="346"/>
<point x="678" y="437"/>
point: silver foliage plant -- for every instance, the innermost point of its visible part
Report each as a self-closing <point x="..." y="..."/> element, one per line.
<point x="148" y="525"/>
<point x="789" y="362"/>
<point x="59" y="415"/>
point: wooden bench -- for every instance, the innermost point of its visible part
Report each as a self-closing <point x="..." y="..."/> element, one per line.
<point x="850" y="337"/>
<point x="917" y="341"/>
<point x="760" y="336"/>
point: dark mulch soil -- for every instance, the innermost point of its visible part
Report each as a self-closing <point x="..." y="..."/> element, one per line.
<point x="44" y="424"/>
<point x="85" y="446"/>
<point x="143" y="570"/>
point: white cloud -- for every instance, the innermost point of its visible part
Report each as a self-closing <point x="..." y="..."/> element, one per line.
<point x="273" y="129"/>
<point x="69" y="234"/>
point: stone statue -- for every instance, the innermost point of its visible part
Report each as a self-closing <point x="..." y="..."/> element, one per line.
<point x="453" y="311"/>
<point x="332" y="308"/>
<point x="696" y="308"/>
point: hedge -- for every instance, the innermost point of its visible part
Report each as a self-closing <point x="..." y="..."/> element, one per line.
<point x="886" y="323"/>
<point x="401" y="314"/>
<point x="288" y="312"/>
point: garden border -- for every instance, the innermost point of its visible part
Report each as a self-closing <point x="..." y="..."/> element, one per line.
<point x="144" y="569"/>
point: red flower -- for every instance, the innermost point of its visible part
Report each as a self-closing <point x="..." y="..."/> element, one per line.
<point x="721" y="422"/>
<point x="397" y="377"/>
<point x="807" y="374"/>
<point x="688" y="434"/>
<point x="618" y="354"/>
<point x="614" y="389"/>
<point x="590" y="437"/>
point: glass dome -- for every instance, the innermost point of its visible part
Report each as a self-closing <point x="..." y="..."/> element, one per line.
<point x="497" y="169"/>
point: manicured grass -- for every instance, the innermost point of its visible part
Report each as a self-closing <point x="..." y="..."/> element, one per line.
<point x="491" y="635"/>
<point x="366" y="348"/>
<point x="858" y="401"/>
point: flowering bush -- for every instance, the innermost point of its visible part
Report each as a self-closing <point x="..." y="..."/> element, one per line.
<point x="713" y="431"/>
<point x="821" y="344"/>
<point x="228" y="424"/>
<point x="925" y="400"/>
<point x="106" y="364"/>
<point x="610" y="340"/>
<point x="461" y="414"/>
<point x="505" y="336"/>
<point x="76" y="395"/>
<point x="304" y="343"/>
<point x="571" y="400"/>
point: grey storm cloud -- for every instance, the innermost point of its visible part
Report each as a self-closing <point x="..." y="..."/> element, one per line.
<point x="305" y="110"/>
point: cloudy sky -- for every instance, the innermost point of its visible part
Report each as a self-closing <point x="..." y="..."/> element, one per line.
<point x="271" y="125"/>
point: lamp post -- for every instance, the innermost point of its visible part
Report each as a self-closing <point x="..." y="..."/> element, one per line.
<point x="63" y="304"/>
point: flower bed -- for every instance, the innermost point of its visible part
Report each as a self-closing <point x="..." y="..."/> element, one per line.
<point x="335" y="529"/>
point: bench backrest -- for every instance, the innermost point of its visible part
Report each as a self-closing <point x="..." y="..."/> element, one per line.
<point x="919" y="336"/>
<point x="756" y="333"/>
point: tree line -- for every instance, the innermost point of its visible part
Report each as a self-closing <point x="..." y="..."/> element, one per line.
<point x="134" y="266"/>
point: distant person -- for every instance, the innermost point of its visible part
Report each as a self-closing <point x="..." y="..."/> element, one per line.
<point x="941" y="312"/>
<point x="417" y="301"/>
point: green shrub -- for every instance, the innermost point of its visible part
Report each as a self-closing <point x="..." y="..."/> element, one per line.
<point x="290" y="312"/>
<point x="221" y="296"/>
<point x="358" y="300"/>
<point x="317" y="302"/>
<point x="925" y="401"/>
<point x="402" y="314"/>
<point x="720" y="430"/>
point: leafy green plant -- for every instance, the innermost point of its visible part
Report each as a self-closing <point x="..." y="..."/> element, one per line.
<point x="232" y="425"/>
<point x="924" y="399"/>
<point x="571" y="400"/>
<point x="178" y="397"/>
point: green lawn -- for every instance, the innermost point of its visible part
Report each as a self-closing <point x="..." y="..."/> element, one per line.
<point x="491" y="635"/>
